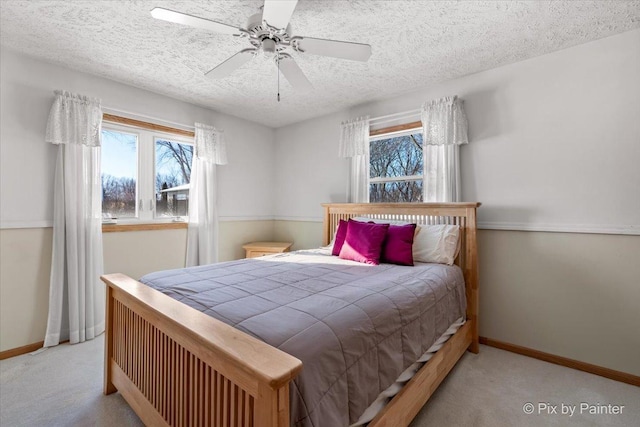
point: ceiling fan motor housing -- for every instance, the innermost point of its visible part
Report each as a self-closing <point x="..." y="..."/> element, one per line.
<point x="260" y="31"/>
<point x="269" y="47"/>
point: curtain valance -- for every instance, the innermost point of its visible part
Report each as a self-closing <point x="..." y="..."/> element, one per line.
<point x="74" y="119"/>
<point x="444" y="122"/>
<point x="210" y="144"/>
<point x="354" y="138"/>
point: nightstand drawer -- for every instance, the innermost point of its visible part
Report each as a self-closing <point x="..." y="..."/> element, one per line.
<point x="255" y="254"/>
<point x="258" y="249"/>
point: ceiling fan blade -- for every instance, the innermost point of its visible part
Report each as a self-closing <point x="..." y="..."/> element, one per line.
<point x="294" y="74"/>
<point x="278" y="13"/>
<point x="335" y="48"/>
<point x="231" y="64"/>
<point x="193" y="21"/>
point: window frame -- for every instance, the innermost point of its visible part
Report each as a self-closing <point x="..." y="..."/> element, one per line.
<point x="394" y="132"/>
<point x="147" y="134"/>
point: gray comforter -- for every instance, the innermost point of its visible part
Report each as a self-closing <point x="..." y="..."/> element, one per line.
<point x="355" y="327"/>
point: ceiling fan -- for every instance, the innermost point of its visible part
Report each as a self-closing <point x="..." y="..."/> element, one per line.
<point x="269" y="32"/>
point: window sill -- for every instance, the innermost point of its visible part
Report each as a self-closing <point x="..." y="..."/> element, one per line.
<point x="109" y="228"/>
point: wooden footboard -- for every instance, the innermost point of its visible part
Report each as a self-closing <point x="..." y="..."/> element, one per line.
<point x="177" y="366"/>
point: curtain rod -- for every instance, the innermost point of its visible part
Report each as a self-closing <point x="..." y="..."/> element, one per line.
<point x="379" y="122"/>
<point x="143" y="116"/>
<point x="395" y="116"/>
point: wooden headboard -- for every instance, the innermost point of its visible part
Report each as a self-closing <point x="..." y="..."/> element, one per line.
<point x="461" y="214"/>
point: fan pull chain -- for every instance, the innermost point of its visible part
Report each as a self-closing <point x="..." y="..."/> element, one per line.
<point x="278" y="61"/>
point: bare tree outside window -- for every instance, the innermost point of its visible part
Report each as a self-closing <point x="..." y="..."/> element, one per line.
<point x="173" y="174"/>
<point x="119" y="172"/>
<point x="396" y="168"/>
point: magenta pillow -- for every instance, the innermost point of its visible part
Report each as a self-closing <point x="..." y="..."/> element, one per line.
<point x="398" y="245"/>
<point x="341" y="233"/>
<point x="363" y="242"/>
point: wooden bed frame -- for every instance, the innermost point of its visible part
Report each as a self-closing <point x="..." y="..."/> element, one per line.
<point x="177" y="366"/>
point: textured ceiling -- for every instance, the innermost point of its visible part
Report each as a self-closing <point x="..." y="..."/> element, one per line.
<point x="414" y="43"/>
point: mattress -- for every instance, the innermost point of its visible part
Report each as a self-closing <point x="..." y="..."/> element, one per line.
<point x="355" y="327"/>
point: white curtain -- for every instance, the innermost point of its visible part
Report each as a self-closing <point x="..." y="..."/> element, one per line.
<point x="444" y="128"/>
<point x="76" y="294"/>
<point x="354" y="143"/>
<point x="202" y="237"/>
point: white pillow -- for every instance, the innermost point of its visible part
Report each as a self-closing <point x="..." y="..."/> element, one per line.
<point x="436" y="243"/>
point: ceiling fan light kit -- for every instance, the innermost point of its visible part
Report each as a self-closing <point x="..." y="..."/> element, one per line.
<point x="269" y="32"/>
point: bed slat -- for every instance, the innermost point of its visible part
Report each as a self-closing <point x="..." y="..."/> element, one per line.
<point x="184" y="400"/>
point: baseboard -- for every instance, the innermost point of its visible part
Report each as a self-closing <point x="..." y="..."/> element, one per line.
<point x="24" y="349"/>
<point x="21" y="350"/>
<point x="563" y="361"/>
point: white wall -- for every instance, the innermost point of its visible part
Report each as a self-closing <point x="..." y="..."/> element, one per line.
<point x="308" y="171"/>
<point x="555" y="145"/>
<point x="26" y="188"/>
<point x="555" y="142"/>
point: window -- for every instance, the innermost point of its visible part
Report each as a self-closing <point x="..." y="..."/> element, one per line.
<point x="145" y="174"/>
<point x="396" y="167"/>
<point x="173" y="170"/>
<point x="119" y="174"/>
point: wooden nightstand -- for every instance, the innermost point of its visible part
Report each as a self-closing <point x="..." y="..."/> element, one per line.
<point x="258" y="249"/>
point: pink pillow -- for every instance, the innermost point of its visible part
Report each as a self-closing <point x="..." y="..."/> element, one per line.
<point x="363" y="242"/>
<point x="398" y="246"/>
<point x="341" y="233"/>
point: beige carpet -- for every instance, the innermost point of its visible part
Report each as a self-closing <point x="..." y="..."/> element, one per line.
<point x="62" y="386"/>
